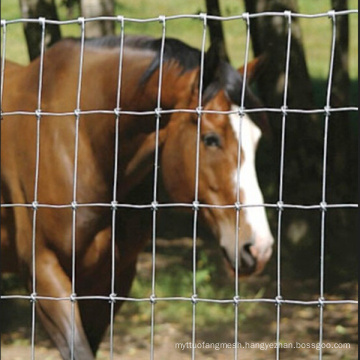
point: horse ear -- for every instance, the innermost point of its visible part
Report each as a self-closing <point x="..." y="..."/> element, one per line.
<point x="211" y="64"/>
<point x="255" y="68"/>
<point x="143" y="160"/>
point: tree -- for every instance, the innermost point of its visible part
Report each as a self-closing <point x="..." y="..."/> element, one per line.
<point x="269" y="35"/>
<point x="340" y="92"/>
<point x="343" y="155"/>
<point x="94" y="8"/>
<point x="47" y="9"/>
<point x="305" y="139"/>
<point x="36" y="9"/>
<point x="217" y="37"/>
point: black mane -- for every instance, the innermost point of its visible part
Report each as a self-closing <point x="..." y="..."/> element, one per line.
<point x="188" y="58"/>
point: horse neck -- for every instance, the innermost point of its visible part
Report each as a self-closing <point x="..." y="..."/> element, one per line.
<point x="135" y="96"/>
<point x="138" y="95"/>
<point x="177" y="88"/>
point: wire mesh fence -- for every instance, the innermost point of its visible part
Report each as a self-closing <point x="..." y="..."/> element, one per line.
<point x="195" y="206"/>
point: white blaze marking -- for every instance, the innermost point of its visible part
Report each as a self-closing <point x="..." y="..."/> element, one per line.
<point x="249" y="135"/>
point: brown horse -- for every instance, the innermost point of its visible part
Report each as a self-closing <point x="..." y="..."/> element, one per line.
<point x="177" y="143"/>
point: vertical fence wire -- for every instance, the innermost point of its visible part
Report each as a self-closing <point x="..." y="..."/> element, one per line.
<point x="3" y="55"/>
<point x="155" y="188"/>
<point x="241" y="115"/>
<point x="81" y="22"/>
<point x="332" y="16"/>
<point x="112" y="295"/>
<point x="196" y="194"/>
<point x="36" y="184"/>
<point x="287" y="15"/>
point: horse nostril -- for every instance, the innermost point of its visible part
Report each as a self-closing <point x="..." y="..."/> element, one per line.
<point x="247" y="259"/>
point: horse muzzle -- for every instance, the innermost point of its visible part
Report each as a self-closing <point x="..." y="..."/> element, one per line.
<point x="251" y="259"/>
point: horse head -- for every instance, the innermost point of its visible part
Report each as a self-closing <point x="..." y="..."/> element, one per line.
<point x="225" y="178"/>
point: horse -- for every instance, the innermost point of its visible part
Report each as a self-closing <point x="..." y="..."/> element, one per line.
<point x="176" y="141"/>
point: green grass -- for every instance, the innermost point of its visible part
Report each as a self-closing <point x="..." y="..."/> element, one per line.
<point x="317" y="38"/>
<point x="210" y="284"/>
<point x="316" y="33"/>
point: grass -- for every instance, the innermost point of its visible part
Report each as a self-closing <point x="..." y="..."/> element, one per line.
<point x="210" y="284"/>
<point x="317" y="38"/>
<point x="316" y="33"/>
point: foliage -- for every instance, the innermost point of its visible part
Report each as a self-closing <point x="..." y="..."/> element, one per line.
<point x="316" y="34"/>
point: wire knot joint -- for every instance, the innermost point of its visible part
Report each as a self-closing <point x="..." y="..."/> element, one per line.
<point x="241" y="111"/>
<point x="42" y="21"/>
<point x="35" y="205"/>
<point x="114" y="205"/>
<point x="38" y="113"/>
<point x="77" y="112"/>
<point x="74" y="205"/>
<point x="327" y="110"/>
<point x="280" y="205"/>
<point x="117" y="112"/>
<point x="237" y="206"/>
<point x="199" y="110"/>
<point x="196" y="206"/>
<point x="332" y="14"/>
<point x="279" y="300"/>
<point x="33" y="297"/>
<point x="203" y="16"/>
<point x="158" y="111"/>
<point x="81" y="21"/>
<point x="287" y="14"/>
<point x="120" y="19"/>
<point x="246" y="18"/>
<point x="323" y="206"/>
<point x="162" y="19"/>
<point x="112" y="298"/>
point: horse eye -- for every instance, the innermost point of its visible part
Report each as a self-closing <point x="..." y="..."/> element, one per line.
<point x="211" y="140"/>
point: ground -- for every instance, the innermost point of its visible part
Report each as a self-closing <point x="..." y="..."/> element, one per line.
<point x="257" y="326"/>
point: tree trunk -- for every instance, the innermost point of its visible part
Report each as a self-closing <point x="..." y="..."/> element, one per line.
<point x="340" y="97"/>
<point x="304" y="141"/>
<point x="217" y="38"/>
<point x="94" y="8"/>
<point x="303" y="145"/>
<point x="342" y="185"/>
<point x="36" y="9"/>
<point x="341" y="80"/>
<point x="269" y="34"/>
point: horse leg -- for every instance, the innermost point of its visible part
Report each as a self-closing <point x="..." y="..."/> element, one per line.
<point x="96" y="326"/>
<point x="56" y="316"/>
<point x="132" y="230"/>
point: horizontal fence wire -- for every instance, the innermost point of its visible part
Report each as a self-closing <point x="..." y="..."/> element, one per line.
<point x="195" y="206"/>
<point x="161" y="18"/>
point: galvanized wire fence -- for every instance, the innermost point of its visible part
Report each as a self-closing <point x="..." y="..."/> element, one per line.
<point x="196" y="206"/>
